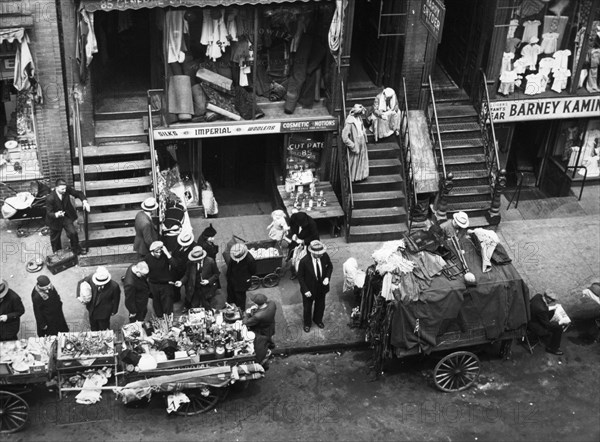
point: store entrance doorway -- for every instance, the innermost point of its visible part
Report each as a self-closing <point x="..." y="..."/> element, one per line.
<point x="241" y="171"/>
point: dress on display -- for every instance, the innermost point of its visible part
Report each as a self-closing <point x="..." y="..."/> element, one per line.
<point x="507" y="58"/>
<point x="549" y="42"/>
<point x="536" y="84"/>
<point x="530" y="30"/>
<point x="560" y="79"/>
<point x="530" y="54"/>
<point x="562" y="59"/>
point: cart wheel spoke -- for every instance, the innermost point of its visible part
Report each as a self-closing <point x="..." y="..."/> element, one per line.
<point x="271" y="280"/>
<point x="254" y="283"/>
<point x="456" y="371"/>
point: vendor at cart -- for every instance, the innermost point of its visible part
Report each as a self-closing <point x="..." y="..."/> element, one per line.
<point x="260" y="318"/>
<point x="11" y="309"/>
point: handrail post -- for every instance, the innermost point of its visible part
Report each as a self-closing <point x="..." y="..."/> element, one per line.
<point x="77" y="99"/>
<point x="493" y="215"/>
<point x="575" y="168"/>
<point x="151" y="142"/>
<point x="437" y="127"/>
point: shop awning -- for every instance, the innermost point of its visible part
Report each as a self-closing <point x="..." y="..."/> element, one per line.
<point x="121" y="5"/>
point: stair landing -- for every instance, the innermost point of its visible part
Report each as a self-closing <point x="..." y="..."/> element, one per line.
<point x="426" y="177"/>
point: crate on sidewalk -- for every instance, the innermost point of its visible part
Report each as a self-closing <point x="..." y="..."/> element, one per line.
<point x="61" y="260"/>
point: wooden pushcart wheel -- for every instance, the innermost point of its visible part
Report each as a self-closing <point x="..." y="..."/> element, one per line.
<point x="254" y="283"/>
<point x="456" y="371"/>
<point x="271" y="280"/>
<point x="14" y="412"/>
<point x="201" y="403"/>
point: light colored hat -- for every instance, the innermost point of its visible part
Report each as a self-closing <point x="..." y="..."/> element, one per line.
<point x="11" y="144"/>
<point x="185" y="239"/>
<point x="388" y="92"/>
<point x="238" y="252"/>
<point x="101" y="277"/>
<point x="197" y="254"/>
<point x="357" y="109"/>
<point x="142" y="267"/>
<point x="317" y="247"/>
<point x="462" y="219"/>
<point x="149" y="204"/>
<point x="3" y="287"/>
<point x="156" y="245"/>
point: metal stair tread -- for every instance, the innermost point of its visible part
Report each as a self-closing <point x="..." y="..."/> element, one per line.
<point x="116" y="149"/>
<point x="377" y="229"/>
<point x="465" y="126"/>
<point x="470" y="190"/>
<point x="115" y="200"/>
<point x="106" y="234"/>
<point x="367" y="196"/>
<point x="115" y="183"/>
<point x="116" y="216"/>
<point x="467" y="174"/>
<point x="468" y="206"/>
<point x="382" y="211"/>
<point x="384" y="163"/>
<point x="464" y="159"/>
<point x="113" y="167"/>
<point x="456" y="111"/>
<point x="378" y="179"/>
<point x="382" y="146"/>
<point x="463" y="143"/>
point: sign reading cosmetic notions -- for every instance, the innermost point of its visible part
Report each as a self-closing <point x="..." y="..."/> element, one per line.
<point x="545" y="109"/>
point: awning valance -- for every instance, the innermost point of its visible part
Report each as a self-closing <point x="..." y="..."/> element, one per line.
<point x="121" y="5"/>
<point x="12" y="34"/>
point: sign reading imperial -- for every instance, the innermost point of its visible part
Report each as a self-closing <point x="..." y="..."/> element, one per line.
<point x="235" y="128"/>
<point x="545" y="109"/>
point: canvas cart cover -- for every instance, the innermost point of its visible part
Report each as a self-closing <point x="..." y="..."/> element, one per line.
<point x="499" y="302"/>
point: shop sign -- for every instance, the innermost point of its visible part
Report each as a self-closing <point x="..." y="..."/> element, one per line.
<point x="545" y="109"/>
<point x="432" y="16"/>
<point x="234" y="129"/>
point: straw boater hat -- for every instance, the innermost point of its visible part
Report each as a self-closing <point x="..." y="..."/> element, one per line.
<point x="197" y="254"/>
<point x="142" y="267"/>
<point x="101" y="277"/>
<point x="317" y="247"/>
<point x="3" y="288"/>
<point x="149" y="205"/>
<point x="185" y="239"/>
<point x="461" y="219"/>
<point x="156" y="245"/>
<point x="238" y="252"/>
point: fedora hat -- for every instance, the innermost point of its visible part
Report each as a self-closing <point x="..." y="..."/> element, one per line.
<point x="197" y="254"/>
<point x="461" y="219"/>
<point x="3" y="287"/>
<point x="101" y="277"/>
<point x="317" y="247"/>
<point x="149" y="204"/>
<point x="185" y="239"/>
<point x="238" y="252"/>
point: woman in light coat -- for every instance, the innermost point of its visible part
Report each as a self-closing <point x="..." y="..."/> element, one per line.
<point x="354" y="137"/>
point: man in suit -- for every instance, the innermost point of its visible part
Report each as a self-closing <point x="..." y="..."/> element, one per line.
<point x="11" y="310"/>
<point x="160" y="279"/>
<point x="137" y="292"/>
<point x="240" y="270"/>
<point x="303" y="230"/>
<point x="60" y="214"/>
<point x="314" y="272"/>
<point x="145" y="230"/>
<point x="101" y="297"/>
<point x="541" y="324"/>
<point x="200" y="279"/>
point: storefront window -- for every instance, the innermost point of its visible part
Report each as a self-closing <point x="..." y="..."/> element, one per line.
<point x="578" y="144"/>
<point x="545" y="43"/>
<point x="230" y="63"/>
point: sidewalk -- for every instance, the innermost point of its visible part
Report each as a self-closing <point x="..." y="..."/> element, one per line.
<point x="558" y="253"/>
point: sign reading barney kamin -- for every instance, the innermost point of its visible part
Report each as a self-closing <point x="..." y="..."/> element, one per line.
<point x="545" y="109"/>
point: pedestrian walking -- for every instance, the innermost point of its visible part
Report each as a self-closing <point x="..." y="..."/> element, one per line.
<point x="47" y="308"/>
<point x="240" y="270"/>
<point x="201" y="279"/>
<point x="206" y="241"/>
<point x="160" y="279"/>
<point x="137" y="291"/>
<point x="101" y="296"/>
<point x="145" y="230"/>
<point x="60" y="214"/>
<point x="314" y="272"/>
<point x="11" y="310"/>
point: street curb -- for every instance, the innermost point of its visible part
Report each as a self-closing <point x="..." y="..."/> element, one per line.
<point x="324" y="348"/>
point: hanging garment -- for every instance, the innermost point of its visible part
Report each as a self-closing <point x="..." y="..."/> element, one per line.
<point x="507" y="58"/>
<point x="536" y="84"/>
<point x="232" y="28"/>
<point x="520" y="65"/>
<point x="176" y="26"/>
<point x="207" y="28"/>
<point x="562" y="59"/>
<point x="560" y="79"/>
<point x="488" y="240"/>
<point x="511" y="44"/>
<point x="335" y="29"/>
<point x="555" y="24"/>
<point x="530" y="30"/>
<point x="507" y="82"/>
<point x="592" y="79"/>
<point x="355" y="138"/>
<point x="91" y="45"/>
<point x="571" y="136"/>
<point x="546" y="65"/>
<point x="24" y="68"/>
<point x="549" y="42"/>
<point x="530" y="54"/>
<point x="512" y="27"/>
<point x="530" y="7"/>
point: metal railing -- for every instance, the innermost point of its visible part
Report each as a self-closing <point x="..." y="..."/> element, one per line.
<point x="77" y="98"/>
<point x="434" y="129"/>
<point x="406" y="152"/>
<point x="344" y="163"/>
<point x="488" y="133"/>
<point x="575" y="168"/>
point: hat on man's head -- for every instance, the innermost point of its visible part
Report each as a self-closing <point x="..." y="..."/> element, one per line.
<point x="149" y="205"/>
<point x="197" y="254"/>
<point x="142" y="267"/>
<point x="43" y="281"/>
<point x="461" y="219"/>
<point x="209" y="232"/>
<point x="101" y="277"/>
<point x="259" y="299"/>
<point x="185" y="239"/>
<point x="238" y="251"/>
<point x="317" y="247"/>
<point x="156" y="245"/>
<point x="3" y="287"/>
<point x="595" y="288"/>
<point x="550" y="295"/>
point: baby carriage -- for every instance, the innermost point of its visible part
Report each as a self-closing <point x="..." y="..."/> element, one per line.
<point x="25" y="206"/>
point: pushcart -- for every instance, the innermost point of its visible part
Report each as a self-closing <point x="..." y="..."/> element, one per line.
<point x="269" y="268"/>
<point x="36" y="209"/>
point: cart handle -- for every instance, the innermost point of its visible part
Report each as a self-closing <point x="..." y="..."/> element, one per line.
<point x="241" y="239"/>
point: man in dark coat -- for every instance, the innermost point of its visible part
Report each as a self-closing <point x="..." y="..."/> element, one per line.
<point x="101" y="297"/>
<point x="47" y="308"/>
<point x="303" y="230"/>
<point x="260" y="318"/>
<point x="200" y="278"/>
<point x="60" y="214"/>
<point x="240" y="270"/>
<point x="160" y="279"/>
<point x="314" y="272"/>
<point x="206" y="241"/>
<point x="11" y="309"/>
<point x="137" y="292"/>
<point x="541" y="325"/>
<point x="145" y="230"/>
